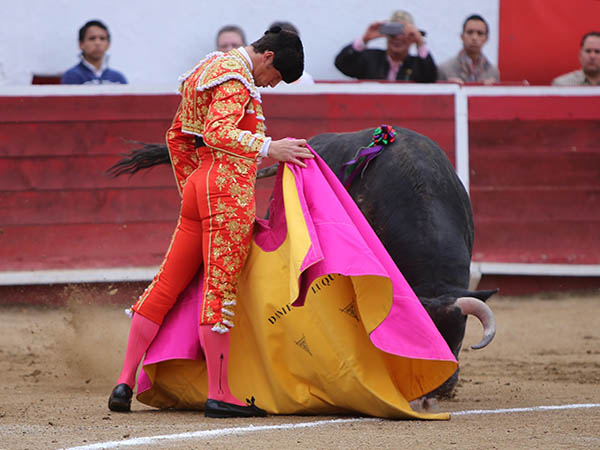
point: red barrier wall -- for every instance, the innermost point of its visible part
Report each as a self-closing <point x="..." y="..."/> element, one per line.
<point x="535" y="179"/>
<point x="60" y="211"/>
<point x="534" y="173"/>
<point x="539" y="39"/>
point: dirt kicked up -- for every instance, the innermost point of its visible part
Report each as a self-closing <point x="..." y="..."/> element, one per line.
<point x="58" y="365"/>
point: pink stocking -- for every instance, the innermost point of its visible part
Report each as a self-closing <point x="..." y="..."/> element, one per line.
<point x="216" y="352"/>
<point x="141" y="334"/>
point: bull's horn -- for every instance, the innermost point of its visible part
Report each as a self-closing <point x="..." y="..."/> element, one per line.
<point x="474" y="306"/>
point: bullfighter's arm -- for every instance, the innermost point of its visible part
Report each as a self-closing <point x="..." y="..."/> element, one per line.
<point x="226" y="110"/>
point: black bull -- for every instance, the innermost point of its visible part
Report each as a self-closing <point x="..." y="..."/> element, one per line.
<point x="417" y="205"/>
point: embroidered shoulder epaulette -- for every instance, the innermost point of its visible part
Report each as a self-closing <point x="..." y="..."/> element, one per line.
<point x="223" y="67"/>
<point x="215" y="69"/>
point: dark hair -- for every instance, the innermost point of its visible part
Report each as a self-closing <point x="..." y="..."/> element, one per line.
<point x="92" y="23"/>
<point x="288" y="26"/>
<point x="232" y="28"/>
<point x="287" y="47"/>
<point x="477" y="17"/>
<point x="587" y="35"/>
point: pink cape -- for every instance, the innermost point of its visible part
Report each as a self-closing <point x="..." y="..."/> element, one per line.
<point x="316" y="250"/>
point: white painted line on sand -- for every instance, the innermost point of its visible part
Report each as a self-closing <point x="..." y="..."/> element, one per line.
<point x="214" y="433"/>
<point x="529" y="409"/>
<point x="154" y="440"/>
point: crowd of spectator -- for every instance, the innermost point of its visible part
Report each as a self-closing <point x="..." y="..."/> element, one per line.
<point x="357" y="60"/>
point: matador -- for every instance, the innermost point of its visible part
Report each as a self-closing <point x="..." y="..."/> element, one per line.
<point x="215" y="141"/>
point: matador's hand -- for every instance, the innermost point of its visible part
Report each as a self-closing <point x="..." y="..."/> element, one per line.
<point x="290" y="150"/>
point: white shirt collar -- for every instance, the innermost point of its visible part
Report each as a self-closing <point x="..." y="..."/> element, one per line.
<point x="243" y="51"/>
<point x="97" y="72"/>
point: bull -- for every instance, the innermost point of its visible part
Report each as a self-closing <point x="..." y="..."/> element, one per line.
<point x="421" y="212"/>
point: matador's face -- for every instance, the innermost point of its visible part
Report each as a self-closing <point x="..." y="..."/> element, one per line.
<point x="265" y="74"/>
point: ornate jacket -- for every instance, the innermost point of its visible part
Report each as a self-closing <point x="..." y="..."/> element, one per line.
<point x="220" y="104"/>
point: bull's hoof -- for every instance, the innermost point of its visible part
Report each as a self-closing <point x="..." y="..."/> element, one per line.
<point x="425" y="405"/>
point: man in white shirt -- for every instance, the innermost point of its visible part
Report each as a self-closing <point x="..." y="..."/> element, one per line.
<point x="589" y="57"/>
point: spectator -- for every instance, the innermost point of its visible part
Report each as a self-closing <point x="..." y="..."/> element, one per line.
<point x="230" y="37"/>
<point x="470" y="64"/>
<point x="394" y="63"/>
<point x="94" y="40"/>
<point x="306" y="78"/>
<point x="589" y="57"/>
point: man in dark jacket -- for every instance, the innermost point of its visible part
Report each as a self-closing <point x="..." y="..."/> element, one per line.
<point x="394" y="63"/>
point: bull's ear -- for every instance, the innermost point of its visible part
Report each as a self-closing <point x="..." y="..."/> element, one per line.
<point x="481" y="295"/>
<point x="484" y="295"/>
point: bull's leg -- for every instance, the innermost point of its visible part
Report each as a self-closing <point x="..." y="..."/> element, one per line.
<point x="425" y="405"/>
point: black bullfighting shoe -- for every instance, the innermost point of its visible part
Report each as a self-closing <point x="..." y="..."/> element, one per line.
<point x="223" y="410"/>
<point x="120" y="398"/>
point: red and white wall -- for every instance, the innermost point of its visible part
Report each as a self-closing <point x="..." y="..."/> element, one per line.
<point x="530" y="157"/>
<point x="154" y="41"/>
<point x="540" y="39"/>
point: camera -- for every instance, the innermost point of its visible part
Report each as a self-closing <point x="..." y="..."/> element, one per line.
<point x="391" y="28"/>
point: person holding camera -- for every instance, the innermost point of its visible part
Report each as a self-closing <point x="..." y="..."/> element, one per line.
<point x="394" y="63"/>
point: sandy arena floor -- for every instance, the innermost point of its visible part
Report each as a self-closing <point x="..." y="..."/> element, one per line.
<point x="58" y="365"/>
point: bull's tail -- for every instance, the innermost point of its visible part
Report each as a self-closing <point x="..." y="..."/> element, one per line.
<point x="142" y="158"/>
<point x="154" y="154"/>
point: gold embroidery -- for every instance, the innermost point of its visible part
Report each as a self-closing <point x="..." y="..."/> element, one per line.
<point x="210" y="314"/>
<point x="235" y="190"/>
<point x="214" y="106"/>
<point x="241" y="168"/>
<point x="220" y="182"/>
<point x="233" y="227"/>
<point x="230" y="64"/>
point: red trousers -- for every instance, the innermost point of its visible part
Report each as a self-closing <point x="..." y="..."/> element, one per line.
<point x="214" y="230"/>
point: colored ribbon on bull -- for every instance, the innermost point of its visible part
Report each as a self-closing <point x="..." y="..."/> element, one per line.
<point x="382" y="136"/>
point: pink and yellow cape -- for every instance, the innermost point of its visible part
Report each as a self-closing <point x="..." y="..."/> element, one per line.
<point x="361" y="343"/>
